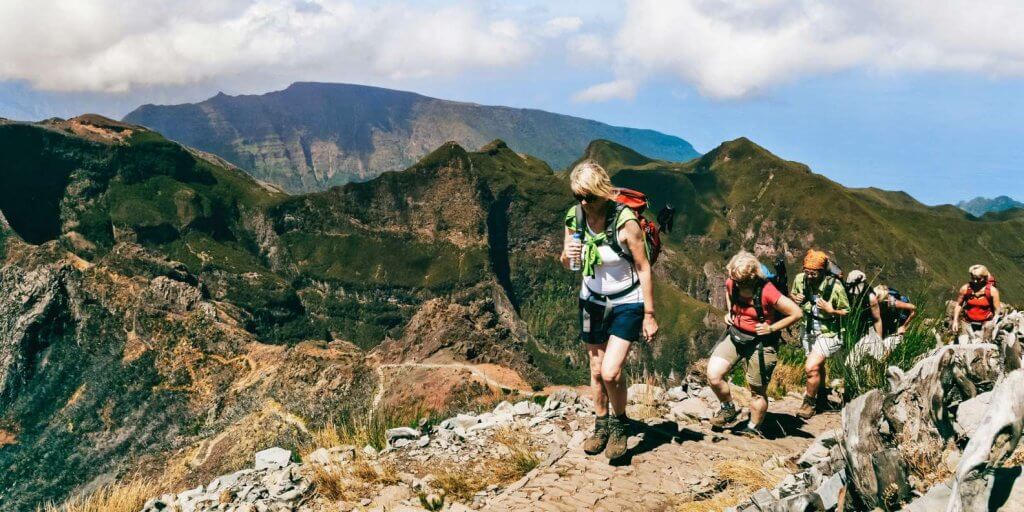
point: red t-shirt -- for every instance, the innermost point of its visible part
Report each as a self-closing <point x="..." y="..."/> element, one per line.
<point x="744" y="316"/>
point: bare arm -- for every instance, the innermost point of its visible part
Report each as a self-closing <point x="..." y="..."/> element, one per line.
<point x="634" y="239"/>
<point x="996" y="303"/>
<point x="876" y="314"/>
<point x="906" y="306"/>
<point x="959" y="308"/>
<point x="792" y="313"/>
<point x="569" y="249"/>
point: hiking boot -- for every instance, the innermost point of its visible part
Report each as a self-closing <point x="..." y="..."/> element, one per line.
<point x="595" y="443"/>
<point x="617" y="437"/>
<point x="808" y="408"/>
<point x="726" y="415"/>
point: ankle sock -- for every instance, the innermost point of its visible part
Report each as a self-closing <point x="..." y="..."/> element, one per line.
<point x="751" y="425"/>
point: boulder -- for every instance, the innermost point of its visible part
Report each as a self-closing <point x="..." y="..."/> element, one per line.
<point x="677" y="394"/>
<point x="273" y="458"/>
<point x="525" y="408"/>
<point x="646" y="393"/>
<point x="692" y="408"/>
<point x="969" y="414"/>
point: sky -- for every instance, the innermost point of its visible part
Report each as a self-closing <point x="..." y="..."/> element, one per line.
<point x="916" y="95"/>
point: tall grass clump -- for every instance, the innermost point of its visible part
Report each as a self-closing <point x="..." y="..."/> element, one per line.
<point x="123" y="497"/>
<point x="870" y="373"/>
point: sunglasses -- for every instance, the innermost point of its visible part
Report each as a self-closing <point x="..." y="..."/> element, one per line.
<point x="590" y="198"/>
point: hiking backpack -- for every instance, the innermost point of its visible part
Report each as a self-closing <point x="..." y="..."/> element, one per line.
<point x="901" y="314"/>
<point x="636" y="201"/>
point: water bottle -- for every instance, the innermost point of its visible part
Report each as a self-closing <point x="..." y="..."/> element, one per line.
<point x="575" y="264"/>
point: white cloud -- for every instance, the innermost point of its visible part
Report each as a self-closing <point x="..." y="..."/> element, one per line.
<point x="623" y="89"/>
<point x="562" y="25"/>
<point x="732" y="49"/>
<point x="113" y="46"/>
<point x="588" y="48"/>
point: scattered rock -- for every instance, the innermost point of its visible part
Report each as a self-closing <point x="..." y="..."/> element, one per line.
<point x="273" y="458"/>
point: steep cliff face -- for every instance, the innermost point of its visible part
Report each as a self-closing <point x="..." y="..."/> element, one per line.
<point x="311" y="136"/>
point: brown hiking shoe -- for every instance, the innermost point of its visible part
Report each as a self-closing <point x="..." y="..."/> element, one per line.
<point x="725" y="416"/>
<point x="596" y="442"/>
<point x="617" y="437"/>
<point x="808" y="408"/>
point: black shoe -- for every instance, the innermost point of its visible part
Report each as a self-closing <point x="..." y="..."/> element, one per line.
<point x="747" y="431"/>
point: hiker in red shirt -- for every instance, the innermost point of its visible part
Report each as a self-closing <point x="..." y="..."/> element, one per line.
<point x="757" y="313"/>
<point x="979" y="304"/>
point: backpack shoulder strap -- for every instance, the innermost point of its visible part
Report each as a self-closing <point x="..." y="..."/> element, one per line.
<point x="758" y="303"/>
<point x="581" y="222"/>
<point x="611" y="231"/>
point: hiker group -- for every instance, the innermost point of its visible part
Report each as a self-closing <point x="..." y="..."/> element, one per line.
<point x="608" y="239"/>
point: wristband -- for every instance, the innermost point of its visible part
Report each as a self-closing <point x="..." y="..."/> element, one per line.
<point x="648" y="313"/>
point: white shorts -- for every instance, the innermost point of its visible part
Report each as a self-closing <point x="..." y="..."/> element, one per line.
<point x="825" y="344"/>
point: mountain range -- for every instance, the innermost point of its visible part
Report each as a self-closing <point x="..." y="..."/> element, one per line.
<point x="158" y="303"/>
<point x="981" y="205"/>
<point x="312" y="136"/>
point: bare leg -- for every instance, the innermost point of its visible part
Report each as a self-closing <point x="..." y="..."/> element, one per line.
<point x="815" y="368"/>
<point x="611" y="373"/>
<point x="758" y="404"/>
<point x="596" y="354"/>
<point x="718" y="368"/>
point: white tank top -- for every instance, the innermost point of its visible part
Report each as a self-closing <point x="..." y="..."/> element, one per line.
<point x="612" y="276"/>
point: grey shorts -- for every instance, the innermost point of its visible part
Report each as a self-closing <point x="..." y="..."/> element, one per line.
<point x="756" y="375"/>
<point x="824" y="344"/>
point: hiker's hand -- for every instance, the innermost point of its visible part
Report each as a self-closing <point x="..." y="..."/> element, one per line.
<point x="798" y="298"/>
<point x="902" y="330"/>
<point x="763" y="329"/>
<point x="650" y="327"/>
<point x="573" y="250"/>
<point x="956" y="326"/>
<point x="825" y="306"/>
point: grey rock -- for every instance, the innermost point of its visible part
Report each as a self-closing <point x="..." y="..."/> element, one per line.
<point x="423" y="441"/>
<point x="273" y="458"/>
<point x="645" y="393"/>
<point x="464" y="421"/>
<point x="402" y="433"/>
<point x="503" y="408"/>
<point x="693" y="408"/>
<point x="937" y="498"/>
<point x="525" y="408"/>
<point x="564" y="396"/>
<point x="970" y="413"/>
<point x="829" y="490"/>
<point x="677" y="394"/>
<point x="819" y="450"/>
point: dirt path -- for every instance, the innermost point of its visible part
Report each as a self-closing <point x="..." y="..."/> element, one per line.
<point x="668" y="462"/>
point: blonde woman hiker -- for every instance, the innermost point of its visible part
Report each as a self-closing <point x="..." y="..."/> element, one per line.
<point x="974" y="316"/>
<point x="757" y="312"/>
<point x="824" y="302"/>
<point x="616" y="300"/>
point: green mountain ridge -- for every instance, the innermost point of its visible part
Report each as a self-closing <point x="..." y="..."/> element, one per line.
<point x="158" y="303"/>
<point x="311" y="136"/>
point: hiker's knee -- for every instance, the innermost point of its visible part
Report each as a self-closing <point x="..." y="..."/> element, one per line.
<point x="717" y="368"/>
<point x="611" y="375"/>
<point x="812" y="369"/>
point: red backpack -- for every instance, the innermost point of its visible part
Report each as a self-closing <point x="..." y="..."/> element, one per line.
<point x="979" y="313"/>
<point x="636" y="201"/>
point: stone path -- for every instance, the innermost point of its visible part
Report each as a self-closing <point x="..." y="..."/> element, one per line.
<point x="665" y="464"/>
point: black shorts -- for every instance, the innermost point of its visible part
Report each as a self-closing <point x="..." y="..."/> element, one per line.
<point x="624" y="321"/>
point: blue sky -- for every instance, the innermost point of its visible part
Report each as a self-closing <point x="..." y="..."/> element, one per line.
<point x="910" y="97"/>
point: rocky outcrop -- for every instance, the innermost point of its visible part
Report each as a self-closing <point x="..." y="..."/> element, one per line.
<point x="936" y="439"/>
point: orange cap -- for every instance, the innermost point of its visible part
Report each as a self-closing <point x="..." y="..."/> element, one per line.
<point x="815" y="260"/>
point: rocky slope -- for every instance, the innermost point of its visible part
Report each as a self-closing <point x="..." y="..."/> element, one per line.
<point x="312" y="136"/>
<point x="461" y="463"/>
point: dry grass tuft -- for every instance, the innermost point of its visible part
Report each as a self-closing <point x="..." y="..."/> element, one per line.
<point x="334" y="483"/>
<point x="383" y="473"/>
<point x="1016" y="458"/>
<point x="523" y="457"/>
<point x="127" y="497"/>
<point x="787" y="377"/>
<point x="741" y="478"/>
<point x="460" y="485"/>
<point x="928" y="464"/>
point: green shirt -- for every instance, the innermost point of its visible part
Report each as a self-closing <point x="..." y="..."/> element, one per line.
<point x="833" y="292"/>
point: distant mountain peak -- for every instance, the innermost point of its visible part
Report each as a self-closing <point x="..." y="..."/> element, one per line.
<point x="611" y="155"/>
<point x="313" y="135"/>
<point x="981" y="205"/>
